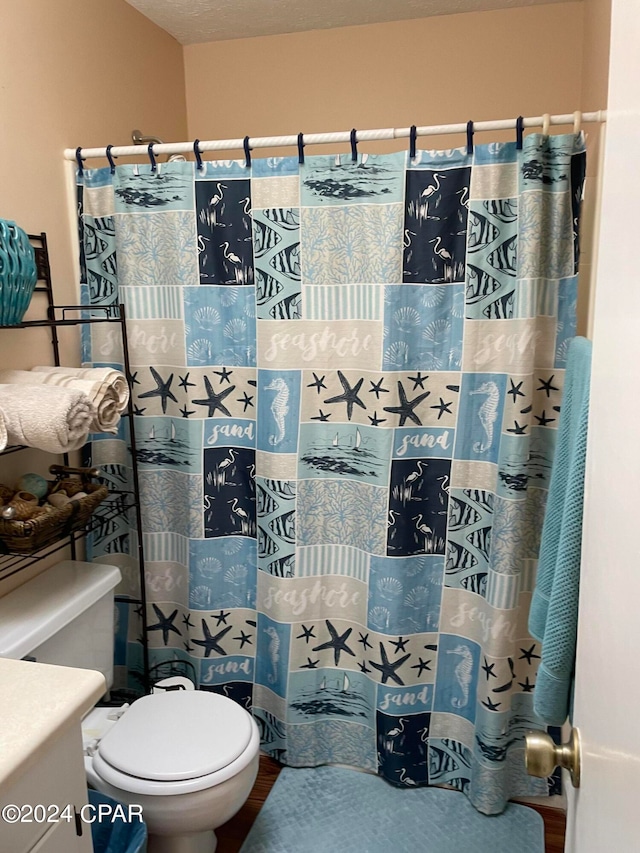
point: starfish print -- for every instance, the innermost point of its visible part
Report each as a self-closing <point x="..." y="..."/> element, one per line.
<point x="184" y="383"/>
<point x="186" y="621"/>
<point x="221" y="617"/>
<point x="375" y="420"/>
<point x="515" y="389"/>
<point x="138" y="611"/>
<point x="528" y="654"/>
<point x="488" y="668"/>
<point x="364" y="667"/>
<point x="133" y="379"/>
<point x="164" y="624"/>
<point x="516" y="429"/>
<point x="491" y="706"/>
<point x="406" y="407"/>
<point x="310" y="664"/>
<point x="163" y="389"/>
<point x="422" y="665"/>
<point x="317" y="384"/>
<point x="187" y="647"/>
<point x="444" y="407"/>
<point x="214" y="401"/>
<point x="419" y="379"/>
<point x="210" y="643"/>
<point x="526" y="410"/>
<point x="377" y="389"/>
<point x="337" y="643"/>
<point x="307" y="633"/>
<point x="547" y="387"/>
<point x="543" y="420"/>
<point x="185" y="412"/>
<point x="224" y="375"/>
<point x="364" y="639"/>
<point x="400" y="644"/>
<point x="246" y="400"/>
<point x="350" y="395"/>
<point x="138" y="411"/>
<point x="387" y="669"/>
<point x="526" y="685"/>
<point x="244" y="638"/>
<point x="321" y="416"/>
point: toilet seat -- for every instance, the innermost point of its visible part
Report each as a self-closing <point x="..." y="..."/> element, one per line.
<point x="177" y="743"/>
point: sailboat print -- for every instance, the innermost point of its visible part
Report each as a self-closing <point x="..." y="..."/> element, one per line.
<point x="358" y="439"/>
<point x="173" y="432"/>
<point x="152" y="433"/>
<point x="336" y="440"/>
<point x="346" y="683"/>
<point x="163" y="444"/>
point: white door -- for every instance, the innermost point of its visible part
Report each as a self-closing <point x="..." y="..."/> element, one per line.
<point x="604" y="814"/>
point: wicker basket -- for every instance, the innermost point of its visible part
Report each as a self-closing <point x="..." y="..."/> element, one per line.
<point x="25" y="537"/>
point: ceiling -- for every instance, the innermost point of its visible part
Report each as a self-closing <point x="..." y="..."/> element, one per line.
<point x="193" y="21"/>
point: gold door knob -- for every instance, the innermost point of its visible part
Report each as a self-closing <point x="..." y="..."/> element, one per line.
<point x="542" y="755"/>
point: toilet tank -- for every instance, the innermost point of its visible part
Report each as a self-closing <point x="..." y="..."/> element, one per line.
<point x="64" y="616"/>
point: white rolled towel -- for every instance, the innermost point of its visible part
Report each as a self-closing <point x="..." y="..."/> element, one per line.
<point x="107" y="376"/>
<point x="3" y="432"/>
<point x="53" y="419"/>
<point x="102" y="389"/>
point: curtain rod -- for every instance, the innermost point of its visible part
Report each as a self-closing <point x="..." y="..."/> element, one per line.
<point x="342" y="136"/>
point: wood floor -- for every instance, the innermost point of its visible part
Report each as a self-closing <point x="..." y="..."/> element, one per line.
<point x="233" y="833"/>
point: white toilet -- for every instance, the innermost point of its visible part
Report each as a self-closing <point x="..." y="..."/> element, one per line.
<point x="188" y="757"/>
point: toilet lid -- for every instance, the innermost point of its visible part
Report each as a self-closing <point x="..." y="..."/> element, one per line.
<point x="168" y="737"/>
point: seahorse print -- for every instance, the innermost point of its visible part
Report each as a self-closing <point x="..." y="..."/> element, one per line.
<point x="463" y="673"/>
<point x="279" y="407"/>
<point x="488" y="413"/>
<point x="273" y="650"/>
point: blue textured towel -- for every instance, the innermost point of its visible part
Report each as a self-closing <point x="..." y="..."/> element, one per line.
<point x="553" y="617"/>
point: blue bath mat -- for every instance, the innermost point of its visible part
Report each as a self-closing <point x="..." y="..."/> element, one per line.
<point x="332" y="810"/>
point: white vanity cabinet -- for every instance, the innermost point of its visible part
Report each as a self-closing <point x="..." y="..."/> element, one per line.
<point x="41" y="758"/>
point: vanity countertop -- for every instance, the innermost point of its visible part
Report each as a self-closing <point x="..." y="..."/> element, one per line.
<point x="37" y="702"/>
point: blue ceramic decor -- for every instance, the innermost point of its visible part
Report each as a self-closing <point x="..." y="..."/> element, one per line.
<point x="18" y="273"/>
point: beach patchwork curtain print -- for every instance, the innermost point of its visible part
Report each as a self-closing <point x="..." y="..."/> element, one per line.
<point x="347" y="380"/>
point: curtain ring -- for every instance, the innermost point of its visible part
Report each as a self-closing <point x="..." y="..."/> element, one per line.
<point x="469" y="138"/>
<point x="300" y="149"/>
<point x="79" y="159"/>
<point x="577" y="121"/>
<point x="110" y="158"/>
<point x="247" y="153"/>
<point x="154" y="165"/>
<point x="546" y="121"/>
<point x="413" y="134"/>
<point x="196" y="151"/>
<point x="519" y="132"/>
<point x="354" y="146"/>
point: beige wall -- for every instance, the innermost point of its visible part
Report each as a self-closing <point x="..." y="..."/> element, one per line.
<point x="76" y="72"/>
<point x="595" y="81"/>
<point x="72" y="72"/>
<point x="482" y="65"/>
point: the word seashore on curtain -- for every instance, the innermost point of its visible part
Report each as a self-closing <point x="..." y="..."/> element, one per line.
<point x="347" y="380"/>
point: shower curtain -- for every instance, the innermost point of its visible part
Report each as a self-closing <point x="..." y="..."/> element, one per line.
<point x="347" y="379"/>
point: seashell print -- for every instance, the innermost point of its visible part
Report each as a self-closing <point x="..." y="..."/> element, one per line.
<point x="406" y="319"/>
<point x="200" y="351"/>
<point x="209" y="566"/>
<point x="236" y="329"/>
<point x="207" y="317"/>
<point x="231" y="546"/>
<point x="200" y="596"/>
<point x="457" y="305"/>
<point x="397" y="355"/>
<point x="236" y="575"/>
<point x="389" y="587"/>
<point x="379" y="618"/>
<point x="563" y="350"/>
<point x="437" y="331"/>
<point x="228" y="296"/>
<point x="432" y="296"/>
<point x="417" y="598"/>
